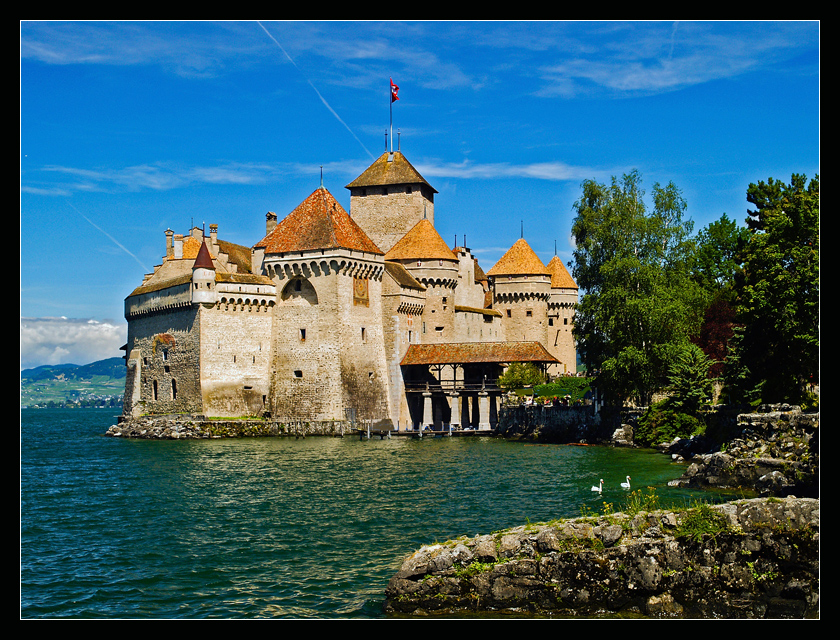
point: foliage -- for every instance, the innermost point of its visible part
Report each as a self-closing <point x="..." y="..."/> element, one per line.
<point x="778" y="293"/>
<point x="519" y="375"/>
<point x="701" y="521"/>
<point x="634" y="269"/>
<point x="639" y="501"/>
<point x="690" y="386"/>
<point x="662" y="424"/>
<point x="573" y="386"/>
<point x="718" y="257"/>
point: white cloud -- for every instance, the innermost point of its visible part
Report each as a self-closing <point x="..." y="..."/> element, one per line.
<point x="68" y="341"/>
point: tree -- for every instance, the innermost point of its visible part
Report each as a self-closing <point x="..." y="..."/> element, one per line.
<point x="719" y="252"/>
<point x="719" y="249"/>
<point x="778" y="294"/>
<point x="519" y="375"/>
<point x="639" y="299"/>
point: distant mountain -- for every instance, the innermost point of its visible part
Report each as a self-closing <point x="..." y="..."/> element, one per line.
<point x="111" y="367"/>
<point x="95" y="384"/>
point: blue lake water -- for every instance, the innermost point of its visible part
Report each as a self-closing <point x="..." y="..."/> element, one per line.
<point x="275" y="527"/>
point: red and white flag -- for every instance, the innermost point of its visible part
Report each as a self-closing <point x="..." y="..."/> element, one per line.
<point x="394" y="89"/>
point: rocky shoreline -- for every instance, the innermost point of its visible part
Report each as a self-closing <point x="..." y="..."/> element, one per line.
<point x="745" y="559"/>
<point x="754" y="558"/>
<point x="184" y="427"/>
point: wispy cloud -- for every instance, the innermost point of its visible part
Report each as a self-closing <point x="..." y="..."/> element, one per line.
<point x="552" y="171"/>
<point x="653" y="57"/>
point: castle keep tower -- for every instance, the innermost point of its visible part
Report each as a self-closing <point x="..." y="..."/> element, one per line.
<point x="328" y="347"/>
<point x="389" y="198"/>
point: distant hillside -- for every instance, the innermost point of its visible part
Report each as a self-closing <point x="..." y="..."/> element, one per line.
<point x="100" y="383"/>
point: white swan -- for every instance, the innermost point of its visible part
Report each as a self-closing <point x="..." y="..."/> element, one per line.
<point x="626" y="485"/>
<point x="599" y="488"/>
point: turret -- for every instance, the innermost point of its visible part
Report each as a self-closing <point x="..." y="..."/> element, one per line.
<point x="204" y="277"/>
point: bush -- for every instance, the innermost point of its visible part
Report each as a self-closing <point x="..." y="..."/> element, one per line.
<point x="660" y="424"/>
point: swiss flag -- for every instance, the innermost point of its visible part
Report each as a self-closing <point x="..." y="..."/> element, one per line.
<point x="394" y="89"/>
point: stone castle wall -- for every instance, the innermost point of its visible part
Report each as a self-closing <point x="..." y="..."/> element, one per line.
<point x="163" y="367"/>
<point x="373" y="209"/>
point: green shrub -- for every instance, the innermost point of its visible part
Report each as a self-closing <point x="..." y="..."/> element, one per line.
<point x="660" y="424"/>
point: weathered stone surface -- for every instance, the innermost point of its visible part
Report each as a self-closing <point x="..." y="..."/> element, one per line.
<point x="775" y="452"/>
<point x="760" y="561"/>
<point x="174" y="427"/>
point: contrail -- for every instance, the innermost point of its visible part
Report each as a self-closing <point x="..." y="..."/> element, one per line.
<point x="332" y="111"/>
<point x="145" y="269"/>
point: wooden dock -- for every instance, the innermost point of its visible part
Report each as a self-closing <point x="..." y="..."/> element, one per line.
<point x="384" y="434"/>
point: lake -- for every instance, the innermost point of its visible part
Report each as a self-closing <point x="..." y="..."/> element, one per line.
<point x="275" y="527"/>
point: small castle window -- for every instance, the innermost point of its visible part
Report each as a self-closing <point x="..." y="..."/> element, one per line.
<point x="174" y="390"/>
<point x="508" y="312"/>
<point x="302" y="335"/>
<point x="298" y="373"/>
<point x="528" y="313"/>
<point x="363" y="334"/>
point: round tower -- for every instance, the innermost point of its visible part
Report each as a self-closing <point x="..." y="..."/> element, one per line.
<point x="521" y="287"/>
<point x="203" y="277"/>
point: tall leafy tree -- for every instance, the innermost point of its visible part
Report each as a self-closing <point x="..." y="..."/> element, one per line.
<point x="778" y="295"/>
<point x="640" y="301"/>
<point x="719" y="254"/>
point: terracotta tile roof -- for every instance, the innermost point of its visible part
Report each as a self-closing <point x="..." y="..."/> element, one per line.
<point x="319" y="222"/>
<point x="161" y="284"/>
<point x="476" y="352"/>
<point x="480" y="276"/>
<point x="519" y="260"/>
<point x="422" y="242"/>
<point x="401" y="275"/>
<point x="382" y="172"/>
<point x="237" y="254"/>
<point x="485" y="312"/>
<point x="560" y="277"/>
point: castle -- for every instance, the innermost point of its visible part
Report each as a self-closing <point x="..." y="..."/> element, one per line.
<point x="368" y="316"/>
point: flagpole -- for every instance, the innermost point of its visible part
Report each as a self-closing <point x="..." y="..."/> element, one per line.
<point x="391" y="116"/>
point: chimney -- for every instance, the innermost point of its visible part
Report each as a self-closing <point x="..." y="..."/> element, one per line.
<point x="270" y="222"/>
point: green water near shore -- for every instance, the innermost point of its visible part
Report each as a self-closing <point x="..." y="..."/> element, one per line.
<point x="276" y="527"/>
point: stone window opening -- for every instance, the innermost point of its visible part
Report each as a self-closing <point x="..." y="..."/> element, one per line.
<point x="303" y="335"/>
<point x="298" y="373"/>
<point x="363" y="334"/>
<point x="174" y="390"/>
<point x="154" y="390"/>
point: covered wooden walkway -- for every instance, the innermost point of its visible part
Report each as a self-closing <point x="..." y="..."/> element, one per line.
<point x="469" y="396"/>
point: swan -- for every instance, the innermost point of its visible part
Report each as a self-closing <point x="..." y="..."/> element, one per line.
<point x="599" y="488"/>
<point x="626" y="485"/>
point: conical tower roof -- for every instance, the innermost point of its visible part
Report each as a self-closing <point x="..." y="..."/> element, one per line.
<point x="383" y="171"/>
<point x="203" y="260"/>
<point x="422" y="242"/>
<point x="560" y="276"/>
<point x="520" y="260"/>
<point x="319" y="222"/>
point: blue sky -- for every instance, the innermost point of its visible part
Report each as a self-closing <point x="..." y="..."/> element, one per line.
<point x="130" y="128"/>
